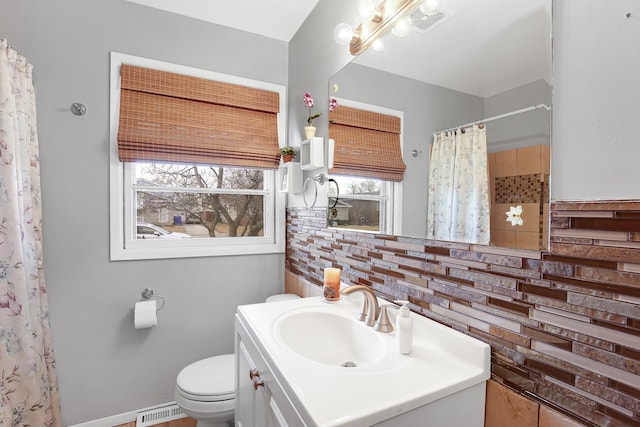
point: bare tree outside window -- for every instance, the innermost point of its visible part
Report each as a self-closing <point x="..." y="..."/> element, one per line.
<point x="216" y="198"/>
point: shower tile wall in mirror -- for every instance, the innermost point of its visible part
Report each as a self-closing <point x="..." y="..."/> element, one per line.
<point x="481" y="60"/>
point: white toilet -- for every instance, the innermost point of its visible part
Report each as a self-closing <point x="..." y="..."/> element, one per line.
<point x="205" y="390"/>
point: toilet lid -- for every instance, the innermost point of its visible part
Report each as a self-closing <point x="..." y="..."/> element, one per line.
<point x="211" y="377"/>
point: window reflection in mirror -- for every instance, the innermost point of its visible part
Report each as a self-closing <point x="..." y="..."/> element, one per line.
<point x="368" y="141"/>
<point x="363" y="204"/>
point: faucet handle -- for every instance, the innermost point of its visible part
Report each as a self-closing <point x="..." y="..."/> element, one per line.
<point x="383" y="324"/>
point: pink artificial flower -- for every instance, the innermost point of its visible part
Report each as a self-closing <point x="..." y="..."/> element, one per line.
<point x="308" y="100"/>
<point x="333" y="103"/>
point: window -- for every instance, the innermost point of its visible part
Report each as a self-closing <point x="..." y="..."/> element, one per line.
<point x="364" y="204"/>
<point x="368" y="168"/>
<point x="172" y="210"/>
<point x="198" y="201"/>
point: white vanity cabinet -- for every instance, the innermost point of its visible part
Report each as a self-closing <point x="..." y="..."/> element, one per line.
<point x="285" y="347"/>
<point x="260" y="400"/>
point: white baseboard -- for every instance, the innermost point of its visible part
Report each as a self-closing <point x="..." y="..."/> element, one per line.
<point x="115" y="420"/>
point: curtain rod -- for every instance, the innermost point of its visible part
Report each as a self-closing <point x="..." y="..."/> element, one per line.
<point x="501" y="116"/>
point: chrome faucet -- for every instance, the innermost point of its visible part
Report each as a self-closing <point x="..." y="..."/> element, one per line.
<point x="370" y="309"/>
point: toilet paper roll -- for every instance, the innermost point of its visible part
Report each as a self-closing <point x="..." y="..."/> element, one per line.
<point x="145" y="314"/>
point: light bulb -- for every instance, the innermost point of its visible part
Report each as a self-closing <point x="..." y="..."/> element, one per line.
<point x="367" y="9"/>
<point x="402" y="27"/>
<point x="342" y="33"/>
<point x="377" y="46"/>
<point x="430" y="7"/>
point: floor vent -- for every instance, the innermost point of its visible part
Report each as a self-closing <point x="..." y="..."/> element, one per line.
<point x="159" y="415"/>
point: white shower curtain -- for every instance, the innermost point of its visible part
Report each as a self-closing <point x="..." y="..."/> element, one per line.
<point x="28" y="382"/>
<point x="458" y="203"/>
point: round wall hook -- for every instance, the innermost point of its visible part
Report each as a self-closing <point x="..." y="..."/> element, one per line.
<point x="78" y="109"/>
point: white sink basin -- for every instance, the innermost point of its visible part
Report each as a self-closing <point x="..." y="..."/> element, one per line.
<point x="306" y="341"/>
<point x="329" y="338"/>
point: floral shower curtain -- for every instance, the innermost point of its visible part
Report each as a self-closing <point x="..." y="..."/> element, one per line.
<point x="458" y="203"/>
<point x="28" y="383"/>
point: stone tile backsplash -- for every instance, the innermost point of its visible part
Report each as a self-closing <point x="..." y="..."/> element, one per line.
<point x="563" y="325"/>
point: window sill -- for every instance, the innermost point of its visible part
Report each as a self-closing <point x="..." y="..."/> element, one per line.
<point x="122" y="254"/>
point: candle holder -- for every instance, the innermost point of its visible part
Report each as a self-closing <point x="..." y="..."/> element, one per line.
<point x="331" y="286"/>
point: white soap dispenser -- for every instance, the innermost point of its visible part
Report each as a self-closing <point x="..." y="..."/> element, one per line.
<point x="404" y="328"/>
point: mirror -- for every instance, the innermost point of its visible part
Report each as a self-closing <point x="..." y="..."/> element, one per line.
<point x="469" y="62"/>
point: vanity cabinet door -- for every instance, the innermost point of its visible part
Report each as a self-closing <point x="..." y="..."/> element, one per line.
<point x="250" y="401"/>
<point x="260" y="400"/>
<point x="276" y="417"/>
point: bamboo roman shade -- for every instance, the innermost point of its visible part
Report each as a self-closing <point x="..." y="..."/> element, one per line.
<point x="366" y="144"/>
<point x="174" y="118"/>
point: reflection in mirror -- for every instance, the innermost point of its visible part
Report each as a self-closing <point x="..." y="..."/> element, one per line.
<point x="367" y="166"/>
<point x="360" y="204"/>
<point x="478" y="60"/>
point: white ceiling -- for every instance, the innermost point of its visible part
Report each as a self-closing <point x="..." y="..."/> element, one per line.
<point x="255" y="16"/>
<point x="482" y="48"/>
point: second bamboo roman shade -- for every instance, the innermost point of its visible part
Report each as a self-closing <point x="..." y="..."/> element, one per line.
<point x="366" y="144"/>
<point x="174" y="118"/>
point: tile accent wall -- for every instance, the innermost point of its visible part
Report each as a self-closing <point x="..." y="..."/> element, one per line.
<point x="564" y="326"/>
<point x="520" y="177"/>
<point x="521" y="189"/>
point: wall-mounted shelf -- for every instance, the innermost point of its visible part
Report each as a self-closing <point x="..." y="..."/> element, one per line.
<point x="290" y="178"/>
<point x="312" y="153"/>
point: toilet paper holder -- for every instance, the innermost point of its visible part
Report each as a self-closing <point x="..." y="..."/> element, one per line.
<point x="148" y="294"/>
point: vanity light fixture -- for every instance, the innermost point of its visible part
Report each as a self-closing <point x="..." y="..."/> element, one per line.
<point x="342" y="33"/>
<point x="366" y="9"/>
<point x="402" y="27"/>
<point x="384" y="17"/>
<point x="377" y="47"/>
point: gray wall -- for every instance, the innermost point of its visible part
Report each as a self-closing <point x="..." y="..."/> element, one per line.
<point x="106" y="367"/>
<point x="595" y="145"/>
<point x="521" y="130"/>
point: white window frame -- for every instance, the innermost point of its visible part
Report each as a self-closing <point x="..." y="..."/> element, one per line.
<point x="123" y="243"/>
<point x="393" y="213"/>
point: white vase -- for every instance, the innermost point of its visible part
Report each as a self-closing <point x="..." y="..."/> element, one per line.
<point x="310" y="131"/>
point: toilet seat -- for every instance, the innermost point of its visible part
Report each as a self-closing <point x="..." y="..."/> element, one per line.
<point x="208" y="380"/>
